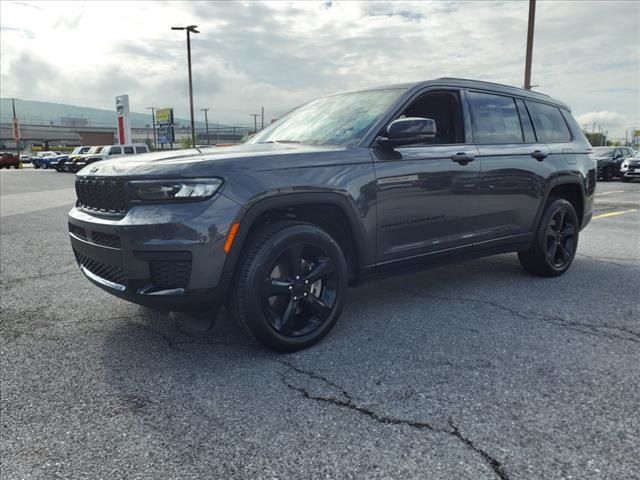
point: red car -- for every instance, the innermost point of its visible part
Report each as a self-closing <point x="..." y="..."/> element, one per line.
<point x="9" y="160"/>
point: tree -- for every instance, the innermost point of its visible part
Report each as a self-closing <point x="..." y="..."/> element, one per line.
<point x="185" y="142"/>
<point x="596" y="139"/>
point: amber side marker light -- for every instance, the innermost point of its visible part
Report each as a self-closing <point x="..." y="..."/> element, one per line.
<point x="230" y="237"/>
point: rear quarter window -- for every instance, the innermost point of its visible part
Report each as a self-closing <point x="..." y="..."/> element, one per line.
<point x="548" y="122"/>
<point x="141" y="150"/>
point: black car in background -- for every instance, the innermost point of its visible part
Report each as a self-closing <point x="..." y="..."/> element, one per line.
<point x="610" y="159"/>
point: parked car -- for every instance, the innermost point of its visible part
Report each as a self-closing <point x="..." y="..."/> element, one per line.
<point x="8" y="160"/>
<point x="338" y="191"/>
<point x="25" y="158"/>
<point x="62" y="162"/>
<point x="70" y="164"/>
<point x="630" y="168"/>
<point x="46" y="159"/>
<point x="610" y="159"/>
<point x="112" y="151"/>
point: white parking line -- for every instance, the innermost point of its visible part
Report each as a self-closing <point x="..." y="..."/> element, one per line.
<point x="19" y="203"/>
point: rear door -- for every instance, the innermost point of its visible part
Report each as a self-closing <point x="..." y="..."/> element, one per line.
<point x="514" y="169"/>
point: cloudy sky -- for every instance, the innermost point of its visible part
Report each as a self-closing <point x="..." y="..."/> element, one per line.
<point x="281" y="54"/>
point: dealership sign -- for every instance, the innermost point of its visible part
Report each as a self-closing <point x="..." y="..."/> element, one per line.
<point x="124" y="120"/>
<point x="164" y="119"/>
<point x="16" y="129"/>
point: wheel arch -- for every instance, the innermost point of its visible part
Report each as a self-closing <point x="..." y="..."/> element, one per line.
<point x="353" y="240"/>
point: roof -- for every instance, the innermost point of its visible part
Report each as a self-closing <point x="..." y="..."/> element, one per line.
<point x="479" y="84"/>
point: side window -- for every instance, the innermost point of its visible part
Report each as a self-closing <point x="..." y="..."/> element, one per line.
<point x="549" y="123"/>
<point x="495" y="119"/>
<point x="141" y="149"/>
<point x="444" y="108"/>
<point x="128" y="150"/>
<point x="525" y="121"/>
<point x="115" y="151"/>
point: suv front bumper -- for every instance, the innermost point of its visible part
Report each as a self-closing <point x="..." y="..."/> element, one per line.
<point x="168" y="256"/>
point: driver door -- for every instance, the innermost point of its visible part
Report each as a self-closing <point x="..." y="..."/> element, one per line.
<point x="427" y="193"/>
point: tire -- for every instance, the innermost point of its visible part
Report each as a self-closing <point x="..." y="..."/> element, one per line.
<point x="556" y="241"/>
<point x="306" y="300"/>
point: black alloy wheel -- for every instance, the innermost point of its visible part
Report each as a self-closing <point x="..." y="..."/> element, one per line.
<point x="556" y="241"/>
<point x="299" y="290"/>
<point x="561" y="238"/>
<point x="290" y="286"/>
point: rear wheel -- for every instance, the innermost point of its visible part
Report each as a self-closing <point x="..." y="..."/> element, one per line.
<point x="556" y="241"/>
<point x="291" y="286"/>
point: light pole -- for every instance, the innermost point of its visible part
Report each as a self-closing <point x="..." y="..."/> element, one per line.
<point x="255" y="121"/>
<point x="153" y="121"/>
<point x="190" y="29"/>
<point x="527" y="65"/>
<point x="206" y="122"/>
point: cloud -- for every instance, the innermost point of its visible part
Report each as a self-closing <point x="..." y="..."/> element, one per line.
<point x="603" y="118"/>
<point x="281" y="54"/>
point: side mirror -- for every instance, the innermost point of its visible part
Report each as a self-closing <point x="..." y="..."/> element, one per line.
<point x="406" y="131"/>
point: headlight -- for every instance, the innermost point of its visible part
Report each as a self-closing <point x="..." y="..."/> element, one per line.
<point x="157" y="190"/>
<point x="625" y="165"/>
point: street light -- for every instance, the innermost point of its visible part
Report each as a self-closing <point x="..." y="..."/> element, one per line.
<point x="190" y="29"/>
<point x="153" y="120"/>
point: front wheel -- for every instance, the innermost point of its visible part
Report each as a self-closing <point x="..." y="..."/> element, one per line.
<point x="556" y="241"/>
<point x="290" y="287"/>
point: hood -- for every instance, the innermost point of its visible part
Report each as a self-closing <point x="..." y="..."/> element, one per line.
<point x="207" y="161"/>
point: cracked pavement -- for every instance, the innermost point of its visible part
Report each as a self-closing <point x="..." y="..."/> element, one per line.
<point x="471" y="371"/>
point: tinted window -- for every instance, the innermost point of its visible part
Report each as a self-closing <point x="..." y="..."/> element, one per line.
<point x="444" y="108"/>
<point x="141" y="150"/>
<point x="115" y="151"/>
<point x="549" y="124"/>
<point x="128" y="150"/>
<point x="495" y="119"/>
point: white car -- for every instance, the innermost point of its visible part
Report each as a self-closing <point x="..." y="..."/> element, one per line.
<point x="112" y="151"/>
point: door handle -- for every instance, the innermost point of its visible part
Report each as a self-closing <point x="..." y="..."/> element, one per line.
<point x="462" y="158"/>
<point x="539" y="155"/>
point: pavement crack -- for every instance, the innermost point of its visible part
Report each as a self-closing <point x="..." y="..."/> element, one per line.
<point x="495" y="465"/>
<point x="348" y="402"/>
<point x="581" y="327"/>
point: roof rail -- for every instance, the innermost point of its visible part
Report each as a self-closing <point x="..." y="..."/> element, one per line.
<point x="490" y="83"/>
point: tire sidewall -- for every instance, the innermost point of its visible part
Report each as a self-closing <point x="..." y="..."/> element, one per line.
<point x="541" y="239"/>
<point x="269" y="252"/>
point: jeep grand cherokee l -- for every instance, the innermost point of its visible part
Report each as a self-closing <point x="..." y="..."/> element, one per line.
<point x="342" y="189"/>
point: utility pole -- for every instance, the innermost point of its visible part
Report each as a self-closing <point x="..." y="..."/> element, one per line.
<point x="190" y="29"/>
<point x="206" y="123"/>
<point x="527" y="65"/>
<point x="16" y="127"/>
<point x="153" y="121"/>
<point x="255" y="121"/>
<point x="262" y="120"/>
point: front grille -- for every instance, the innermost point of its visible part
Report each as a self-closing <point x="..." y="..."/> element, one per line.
<point x="169" y="274"/>
<point x="108" y="272"/>
<point x="78" y="231"/>
<point x="106" y="239"/>
<point x="107" y="196"/>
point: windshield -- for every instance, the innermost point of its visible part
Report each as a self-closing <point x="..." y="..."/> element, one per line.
<point x="337" y="120"/>
<point x="94" y="150"/>
<point x="603" y="151"/>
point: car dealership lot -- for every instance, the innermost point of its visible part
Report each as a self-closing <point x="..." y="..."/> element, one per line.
<point x="474" y="371"/>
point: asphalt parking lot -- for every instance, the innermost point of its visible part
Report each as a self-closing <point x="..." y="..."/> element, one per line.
<point x="470" y="371"/>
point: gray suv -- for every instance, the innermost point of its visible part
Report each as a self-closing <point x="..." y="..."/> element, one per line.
<point x="338" y="191"/>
